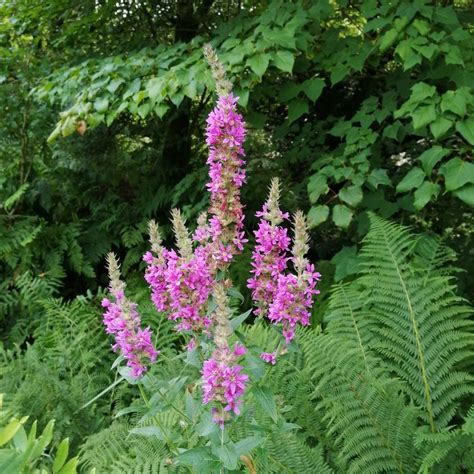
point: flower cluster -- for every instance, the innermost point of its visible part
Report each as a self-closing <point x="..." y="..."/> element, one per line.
<point x="180" y="283"/>
<point x="182" y="280"/>
<point x="224" y="383"/>
<point x="223" y="380"/>
<point x="286" y="299"/>
<point x="269" y="258"/>
<point x="293" y="301"/>
<point x="225" y="137"/>
<point x="122" y="320"/>
<point x="269" y="357"/>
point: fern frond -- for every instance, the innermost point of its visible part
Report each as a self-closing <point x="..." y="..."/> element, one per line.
<point x="420" y="324"/>
<point x="365" y="410"/>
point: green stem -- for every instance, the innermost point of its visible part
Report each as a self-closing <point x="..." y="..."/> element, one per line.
<point x="174" y="407"/>
<point x="142" y="393"/>
<point x="222" y="437"/>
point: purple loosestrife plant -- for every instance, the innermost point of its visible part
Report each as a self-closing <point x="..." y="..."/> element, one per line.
<point x="190" y="284"/>
<point x="122" y="320"/>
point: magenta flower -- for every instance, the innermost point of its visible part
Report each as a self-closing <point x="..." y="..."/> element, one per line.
<point x="269" y="357"/>
<point x="155" y="276"/>
<point x="269" y="261"/>
<point x="181" y="286"/>
<point x="225" y="137"/>
<point x="224" y="382"/>
<point x="121" y="319"/>
<point x="293" y="301"/>
<point x="269" y="258"/>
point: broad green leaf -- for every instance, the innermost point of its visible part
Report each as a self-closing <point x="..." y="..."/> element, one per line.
<point x="422" y="26"/>
<point x="20" y="440"/>
<point x="423" y="116"/>
<point x="228" y="456"/>
<point x="289" y="91"/>
<point x="440" y="126"/>
<point x="154" y="88"/>
<point x="284" y="60"/>
<point x="133" y="88"/>
<point x="265" y="399"/>
<point x="313" y="88"/>
<point x="317" y="186"/>
<point x="246" y="445"/>
<point x="235" y="293"/>
<point x="422" y="91"/>
<point x="144" y="109"/>
<point x="296" y="108"/>
<point x="401" y="23"/>
<point x="341" y="128"/>
<point x="406" y="52"/>
<point x="101" y="105"/>
<point x="338" y="73"/>
<point x="70" y="467"/>
<point x="114" y="85"/>
<point x="7" y="433"/>
<point x="466" y="129"/>
<point x="342" y="215"/>
<point x="425" y="193"/>
<point x="317" y="215"/>
<point x="206" y="426"/>
<point x="454" y="56"/>
<point x="243" y="96"/>
<point x="177" y="98"/>
<point x="255" y="366"/>
<point x="466" y="194"/>
<point x="352" y="195"/>
<point x="430" y="157"/>
<point x="61" y="455"/>
<point x="457" y="173"/>
<point x="454" y="102"/>
<point x="198" y="458"/>
<point x="346" y="262"/>
<point x="238" y="320"/>
<point x="412" y="179"/>
<point x="192" y="406"/>
<point x="428" y="51"/>
<point x="388" y="39"/>
<point x="378" y="177"/>
<point x="259" y="63"/>
<point x="44" y="440"/>
<point x="161" y="109"/>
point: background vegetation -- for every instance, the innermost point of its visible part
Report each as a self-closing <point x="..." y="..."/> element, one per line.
<point x="363" y="109"/>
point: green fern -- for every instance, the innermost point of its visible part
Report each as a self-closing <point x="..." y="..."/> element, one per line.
<point x="420" y="323"/>
<point x="366" y="412"/>
<point x="451" y="450"/>
<point x="115" y="450"/>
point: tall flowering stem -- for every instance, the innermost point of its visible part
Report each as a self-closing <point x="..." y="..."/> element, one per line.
<point x="294" y="295"/>
<point x="223" y="380"/>
<point x="269" y="258"/>
<point x="225" y="137"/>
<point x="122" y="320"/>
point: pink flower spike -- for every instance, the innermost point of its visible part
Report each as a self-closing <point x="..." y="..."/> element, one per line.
<point x="121" y="319"/>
